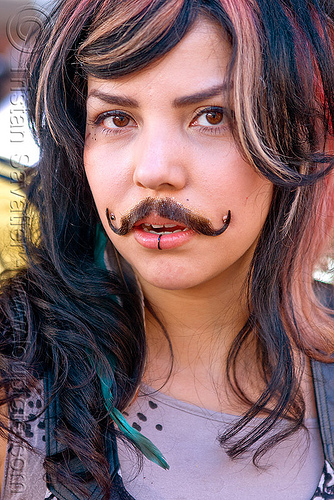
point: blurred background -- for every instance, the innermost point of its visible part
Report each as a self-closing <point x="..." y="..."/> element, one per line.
<point x="18" y="150"/>
<point x="17" y="17"/>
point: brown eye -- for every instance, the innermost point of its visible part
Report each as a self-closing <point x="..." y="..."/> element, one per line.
<point x="120" y="120"/>
<point x="214" y="117"/>
<point x="115" y="120"/>
<point x="210" y="118"/>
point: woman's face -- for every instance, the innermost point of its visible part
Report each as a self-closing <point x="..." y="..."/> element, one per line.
<point x="163" y="132"/>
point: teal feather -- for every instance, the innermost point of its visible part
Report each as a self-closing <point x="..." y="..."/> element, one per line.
<point x="145" y="445"/>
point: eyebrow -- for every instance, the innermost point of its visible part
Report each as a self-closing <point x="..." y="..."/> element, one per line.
<point x="121" y="100"/>
<point x="118" y="100"/>
<point x="215" y="91"/>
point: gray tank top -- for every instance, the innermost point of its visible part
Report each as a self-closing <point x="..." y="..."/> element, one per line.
<point x="199" y="467"/>
<point x="187" y="435"/>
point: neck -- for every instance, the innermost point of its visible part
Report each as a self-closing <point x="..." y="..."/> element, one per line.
<point x="201" y="324"/>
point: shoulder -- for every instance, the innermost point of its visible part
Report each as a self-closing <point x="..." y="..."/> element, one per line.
<point x="323" y="380"/>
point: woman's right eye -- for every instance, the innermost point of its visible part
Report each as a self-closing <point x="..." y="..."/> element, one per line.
<point x="115" y="121"/>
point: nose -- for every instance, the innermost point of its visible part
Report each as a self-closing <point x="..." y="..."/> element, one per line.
<point x="160" y="161"/>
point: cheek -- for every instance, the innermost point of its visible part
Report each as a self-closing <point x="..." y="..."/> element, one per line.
<point x="106" y="179"/>
<point x="231" y="182"/>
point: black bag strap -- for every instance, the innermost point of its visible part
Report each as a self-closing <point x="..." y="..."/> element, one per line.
<point x="323" y="380"/>
<point x="53" y="449"/>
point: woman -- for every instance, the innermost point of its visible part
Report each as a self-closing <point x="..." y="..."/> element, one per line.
<point x="184" y="199"/>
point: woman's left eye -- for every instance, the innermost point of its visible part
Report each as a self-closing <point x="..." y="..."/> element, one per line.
<point x="210" y="120"/>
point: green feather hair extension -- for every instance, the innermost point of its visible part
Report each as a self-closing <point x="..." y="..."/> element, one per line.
<point x="145" y="445"/>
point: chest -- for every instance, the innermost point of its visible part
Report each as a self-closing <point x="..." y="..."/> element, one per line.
<point x="200" y="468"/>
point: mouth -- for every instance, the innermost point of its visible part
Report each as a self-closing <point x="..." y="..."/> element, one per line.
<point x="170" y="234"/>
<point x="159" y="225"/>
<point x="163" y="228"/>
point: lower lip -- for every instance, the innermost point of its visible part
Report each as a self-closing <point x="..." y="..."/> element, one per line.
<point x="167" y="241"/>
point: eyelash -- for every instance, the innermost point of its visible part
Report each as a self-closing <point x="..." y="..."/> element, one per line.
<point x="213" y="130"/>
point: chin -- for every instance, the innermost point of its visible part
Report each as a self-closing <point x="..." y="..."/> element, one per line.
<point x="172" y="280"/>
<point x="167" y="279"/>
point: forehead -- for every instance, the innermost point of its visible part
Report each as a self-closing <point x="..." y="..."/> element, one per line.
<point x="199" y="61"/>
